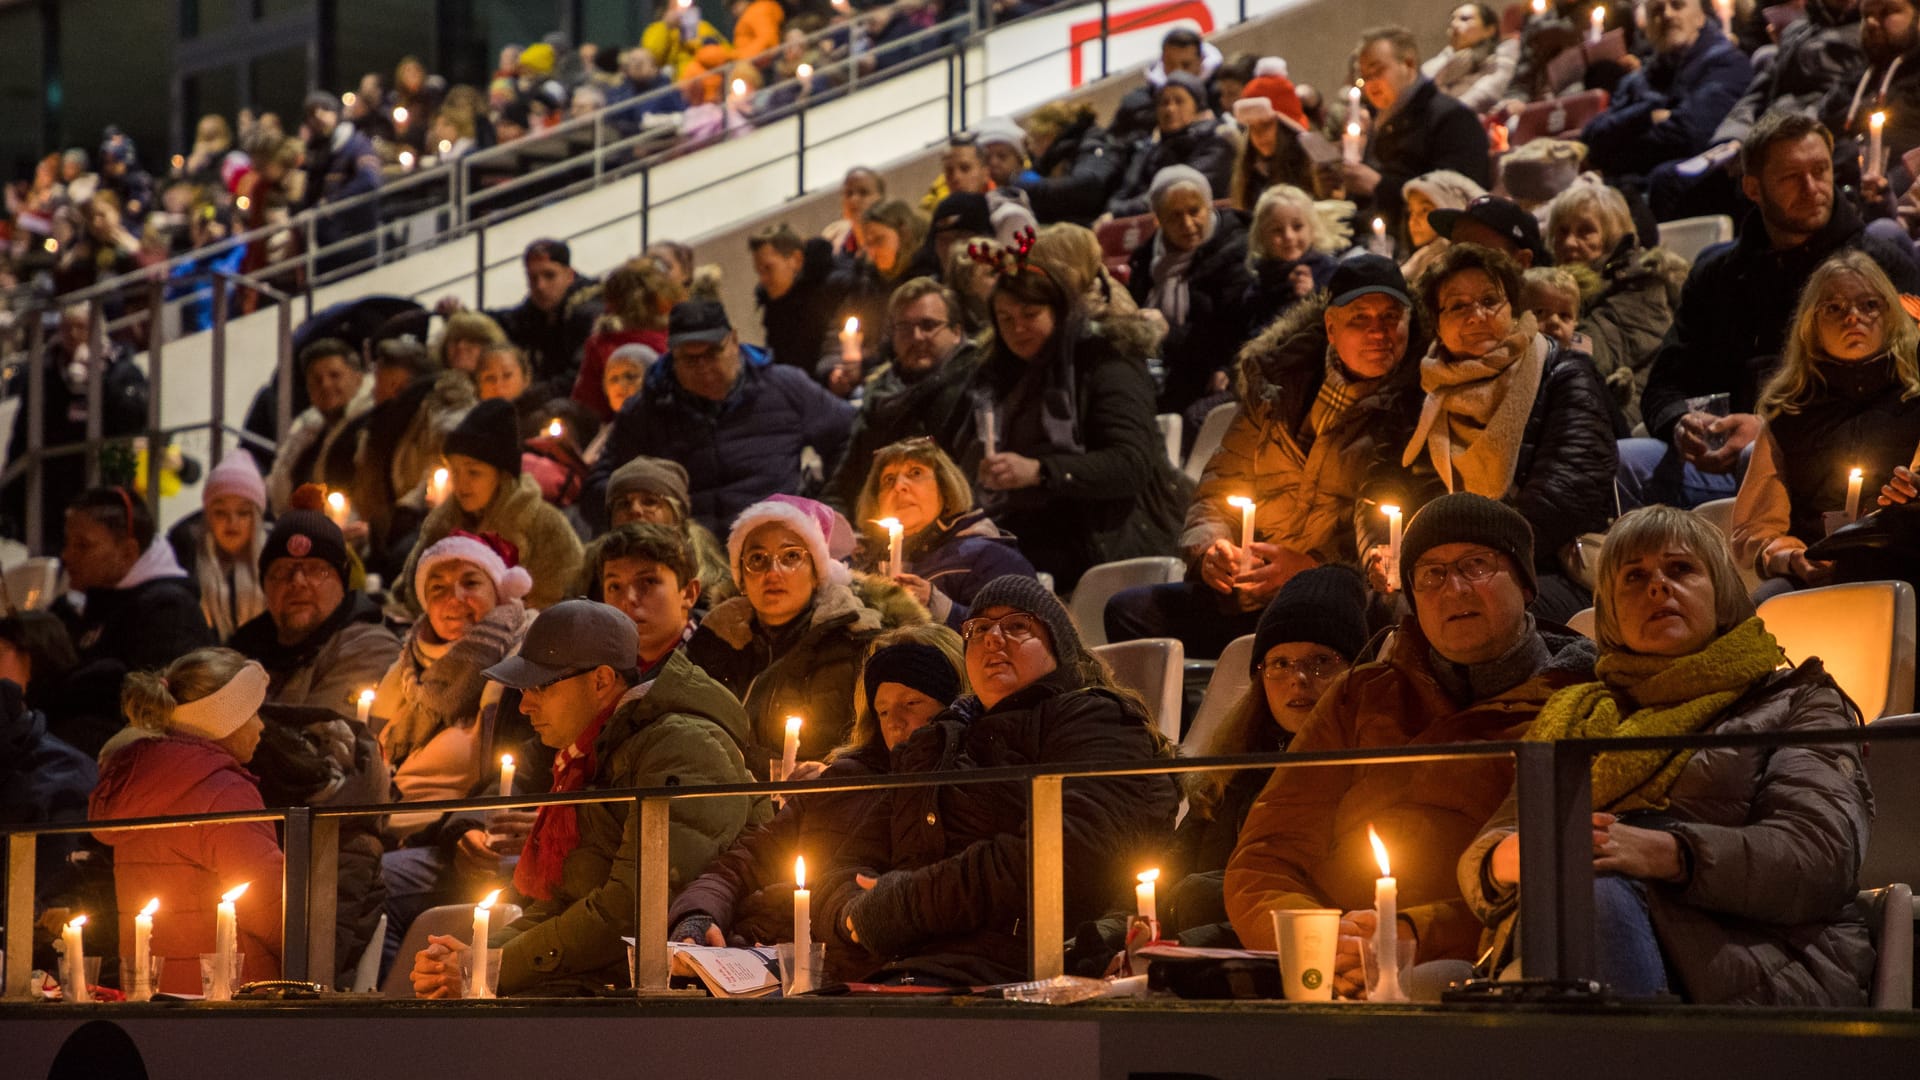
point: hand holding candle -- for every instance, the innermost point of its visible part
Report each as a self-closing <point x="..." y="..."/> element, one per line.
<point x="73" y="951"/>
<point x="478" y="984"/>
<point x="1386" y="930"/>
<point x="1245" y="506"/>
<point x="365" y="706"/>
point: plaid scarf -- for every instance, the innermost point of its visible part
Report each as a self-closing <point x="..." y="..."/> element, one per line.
<point x="1337" y="395"/>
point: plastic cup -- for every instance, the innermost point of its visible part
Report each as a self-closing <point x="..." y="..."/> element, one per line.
<point x="1370" y="964"/>
<point x="136" y="992"/>
<point x="816" y="964"/>
<point x="92" y="964"/>
<point x="1307" y="938"/>
<point x="1715" y="405"/>
<point x="493" y="973"/>
<point x="233" y="975"/>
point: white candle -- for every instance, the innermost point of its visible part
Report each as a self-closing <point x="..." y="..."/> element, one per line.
<point x="406" y="159"/>
<point x="1393" y="546"/>
<point x="555" y="429"/>
<point x="1598" y="26"/>
<point x="506" y="774"/>
<point x="1875" y="125"/>
<point x="805" y="74"/>
<point x="1721" y="8"/>
<point x="226" y="944"/>
<point x="1144" y="902"/>
<point x="986" y="430"/>
<point x="739" y="91"/>
<point x="337" y="508"/>
<point x="1386" y="931"/>
<point x="895" y="567"/>
<point x="75" y="988"/>
<point x="478" y="985"/>
<point x="850" y="342"/>
<point x="1353" y="144"/>
<point x="400" y="116"/>
<point x="438" y="488"/>
<point x="366" y="706"/>
<point x="1380" y="236"/>
<point x="790" y="754"/>
<point x="1854" y="479"/>
<point x="802" y="928"/>
<point x="1353" y="101"/>
<point x="1245" y="506"/>
<point x="143" y="952"/>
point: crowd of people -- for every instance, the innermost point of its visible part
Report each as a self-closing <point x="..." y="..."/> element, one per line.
<point x="601" y="532"/>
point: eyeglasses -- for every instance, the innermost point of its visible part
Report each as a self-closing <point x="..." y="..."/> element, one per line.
<point x="1316" y="668"/>
<point x="1868" y="308"/>
<point x="788" y="559"/>
<point x="1014" y="627"/>
<point x="1467" y="309"/>
<point x="913" y="327"/>
<point x="1474" y="569"/>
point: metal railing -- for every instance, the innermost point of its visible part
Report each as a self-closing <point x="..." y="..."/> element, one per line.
<point x="1552" y="784"/>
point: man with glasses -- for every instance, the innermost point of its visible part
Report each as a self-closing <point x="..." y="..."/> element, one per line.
<point x="579" y="685"/>
<point x="1667" y="110"/>
<point x="738" y="429"/>
<point x="921" y="391"/>
<point x="1468" y="665"/>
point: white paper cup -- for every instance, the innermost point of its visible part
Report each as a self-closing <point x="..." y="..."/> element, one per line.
<point x="1306" y="937"/>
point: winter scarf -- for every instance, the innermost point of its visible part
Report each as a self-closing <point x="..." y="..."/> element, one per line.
<point x="1476" y="411"/>
<point x="1172" y="273"/>
<point x="438" y="684"/>
<point x="556" y="829"/>
<point x="1669" y="696"/>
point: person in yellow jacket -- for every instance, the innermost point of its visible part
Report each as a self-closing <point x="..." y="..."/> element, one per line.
<point x="680" y="39"/>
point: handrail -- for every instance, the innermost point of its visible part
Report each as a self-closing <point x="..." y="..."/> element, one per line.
<point x="1552" y="784"/>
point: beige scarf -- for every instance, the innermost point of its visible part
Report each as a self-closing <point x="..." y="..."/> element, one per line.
<point x="1476" y="411"/>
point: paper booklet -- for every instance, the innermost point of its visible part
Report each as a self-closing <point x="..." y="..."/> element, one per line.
<point x="728" y="973"/>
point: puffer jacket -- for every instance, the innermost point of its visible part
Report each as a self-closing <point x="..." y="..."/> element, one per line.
<point x="957" y="555"/>
<point x="43" y="781"/>
<point x="143" y="774"/>
<point x="892" y="409"/>
<point x="1076" y="174"/>
<point x="1817" y="51"/>
<point x="1303" y="487"/>
<point x="312" y="757"/>
<point x="1563" y="468"/>
<point x="328" y="668"/>
<point x="951" y="901"/>
<point x="1304" y="843"/>
<point x="1207" y="145"/>
<point x="805" y="669"/>
<point x="1696" y="88"/>
<point x="681" y="729"/>
<point x="1205" y="342"/>
<point x="1774" y="839"/>
<point x="549" y="548"/>
<point x="1625" y="311"/>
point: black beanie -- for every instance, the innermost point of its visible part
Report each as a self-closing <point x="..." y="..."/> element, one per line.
<point x="1326" y="605"/>
<point x="1026" y="594"/>
<point x="1466" y="518"/>
<point x="913" y="665"/>
<point x="306" y="534"/>
<point x="490" y="432"/>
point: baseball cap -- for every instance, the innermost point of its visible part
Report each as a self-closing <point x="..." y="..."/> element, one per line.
<point x="1359" y="275"/>
<point x="697" y="321"/>
<point x="1503" y="216"/>
<point x="570" y="638"/>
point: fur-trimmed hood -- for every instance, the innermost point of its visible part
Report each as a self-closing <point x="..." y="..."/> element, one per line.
<point x="549" y="548"/>
<point x="1632" y="267"/>
<point x="868" y="603"/>
<point x="1287" y="357"/>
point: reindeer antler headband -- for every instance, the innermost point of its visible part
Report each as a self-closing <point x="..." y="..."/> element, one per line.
<point x="1002" y="259"/>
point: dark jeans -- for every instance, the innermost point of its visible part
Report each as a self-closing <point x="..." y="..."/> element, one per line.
<point x="1204" y="621"/>
<point x="1626" y="954"/>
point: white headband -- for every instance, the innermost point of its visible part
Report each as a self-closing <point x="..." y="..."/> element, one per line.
<point x="221" y="713"/>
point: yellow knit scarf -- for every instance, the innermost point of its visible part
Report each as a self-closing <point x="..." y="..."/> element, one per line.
<point x="1668" y="696"/>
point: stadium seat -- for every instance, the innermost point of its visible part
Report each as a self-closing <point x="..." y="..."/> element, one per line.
<point x="1151" y="667"/>
<point x="1893" y="844"/>
<point x="1719" y="513"/>
<point x="1120" y="236"/>
<point x="1229" y="681"/>
<point x="1863" y="633"/>
<point x="1560" y="118"/>
<point x="1099" y="584"/>
<point x="1889" y="913"/>
<point x="1171" y="428"/>
<point x="1581" y="622"/>
<point x="1212" y="430"/>
<point x="366" y="975"/>
<point x="32" y="585"/>
<point x="1688" y="237"/>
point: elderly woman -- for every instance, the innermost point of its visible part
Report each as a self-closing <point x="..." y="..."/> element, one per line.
<point x="1191" y="272"/>
<point x="1442" y="189"/>
<point x="790" y="644"/>
<point x="947" y="906"/>
<point x="1312" y="632"/>
<point x="910" y="677"/>
<point x="1847" y="396"/>
<point x="651" y="490"/>
<point x="220" y="546"/>
<point x="1628" y="293"/>
<point x="1075" y="465"/>
<point x="1723" y="875"/>
<point x="949" y="547"/>
<point x="1290" y="254"/>
<point x="1509" y="415"/>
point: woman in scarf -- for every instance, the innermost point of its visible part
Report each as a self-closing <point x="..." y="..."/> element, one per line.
<point x="1723" y="875"/>
<point x="1509" y="415"/>
<point x="1192" y="270"/>
<point x="220" y="546"/>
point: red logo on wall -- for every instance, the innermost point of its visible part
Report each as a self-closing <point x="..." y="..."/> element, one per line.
<point x="1082" y="34"/>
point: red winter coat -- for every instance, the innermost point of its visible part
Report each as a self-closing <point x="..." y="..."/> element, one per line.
<point x="189" y="867"/>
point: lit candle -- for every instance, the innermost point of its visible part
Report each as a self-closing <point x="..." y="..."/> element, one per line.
<point x="802" y="927"/>
<point x="1144" y="902"/>
<point x="438" y="487"/>
<point x="850" y="342"/>
<point x="1393" y="546"/>
<point x="1539" y="7"/>
<point x="1598" y="25"/>
<point x="337" y="508"/>
<point x="143" y="952"/>
<point x="400" y="116"/>
<point x="226" y="944"/>
<point x="739" y="92"/>
<point x="894" y="566"/>
<point x="446" y="145"/>
<point x="1353" y="100"/>
<point x="986" y="430"/>
<point x="1721" y="8"/>
<point x="75" y="952"/>
<point x="1245" y="506"/>
<point x="478" y="985"/>
<point x="1875" y="125"/>
<point x="178" y="161"/>
<point x="406" y="159"/>
<point x="366" y="706"/>
<point x="506" y="774"/>
<point x="790" y="754"/>
<point x="347" y="99"/>
<point x="1386" y="931"/>
<point x="1353" y="144"/>
<point x="1854" y="479"/>
<point x="555" y="428"/>
<point x="805" y="74"/>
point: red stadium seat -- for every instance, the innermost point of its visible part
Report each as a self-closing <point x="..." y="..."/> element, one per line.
<point x="1560" y="118"/>
<point x="1120" y="236"/>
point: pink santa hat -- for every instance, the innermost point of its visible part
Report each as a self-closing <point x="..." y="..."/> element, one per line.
<point x="827" y="535"/>
<point x="498" y="558"/>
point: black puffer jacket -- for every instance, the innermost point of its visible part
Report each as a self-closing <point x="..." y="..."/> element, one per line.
<point x="1207" y="145"/>
<point x="799" y="323"/>
<point x="1206" y="342"/>
<point x="892" y="409"/>
<point x="951" y="902"/>
<point x="1076" y="174"/>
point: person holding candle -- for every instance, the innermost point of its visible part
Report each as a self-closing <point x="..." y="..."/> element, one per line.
<point x="1667" y="110"/>
<point x="1846" y="396"/>
<point x="950" y="547"/>
<point x="790" y="644"/>
<point x="1467" y="665"/>
<point x="946" y="905"/>
<point x="312" y="451"/>
<point x="1723" y="875"/>
<point x="1886" y="88"/>
<point x="798" y="294"/>
<point x="579" y="685"/>
<point x="892" y="235"/>
<point x="222" y="543"/>
<point x="191" y="731"/>
<point x="860" y="188"/>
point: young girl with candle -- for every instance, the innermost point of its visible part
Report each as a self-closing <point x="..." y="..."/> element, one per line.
<point x="1290" y="253"/>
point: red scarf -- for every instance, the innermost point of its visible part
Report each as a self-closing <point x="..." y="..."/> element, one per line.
<point x="556" y="829"/>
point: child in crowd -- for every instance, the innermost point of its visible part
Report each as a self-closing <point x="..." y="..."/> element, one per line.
<point x="1552" y="296"/>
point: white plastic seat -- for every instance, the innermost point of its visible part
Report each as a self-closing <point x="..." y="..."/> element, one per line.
<point x="1719" y="514"/>
<point x="1171" y="428"/>
<point x="1581" y="622"/>
<point x="366" y="974"/>
<point x="1212" y="430"/>
<point x="1688" y="237"/>
<point x="1152" y="668"/>
<point x="1862" y="633"/>
<point x="1889" y="913"/>
<point x="1099" y="584"/>
<point x="1893" y="844"/>
<point x="32" y="585"/>
<point x="1229" y="681"/>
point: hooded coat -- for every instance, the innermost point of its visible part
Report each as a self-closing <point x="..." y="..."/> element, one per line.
<point x="681" y="729"/>
<point x="1625" y="311"/>
<point x="549" y="547"/>
<point x="148" y="619"/>
<point x="345" y="654"/>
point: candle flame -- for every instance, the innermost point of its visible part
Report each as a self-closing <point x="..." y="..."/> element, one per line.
<point x="1240" y="502"/>
<point x="793" y="725"/>
<point x="178" y="161"/>
<point x="1539" y="7"/>
<point x="1390" y="511"/>
<point x="804" y="71"/>
<point x="556" y="429"/>
<point x="488" y="902"/>
<point x="1353" y="128"/>
<point x="446" y="145"/>
<point x="399" y="114"/>
<point x="77" y="922"/>
<point x="235" y="893"/>
<point x="799" y="871"/>
<point x="1379" y="852"/>
<point x="54" y="245"/>
<point x="153" y="905"/>
<point x="892" y="525"/>
<point x="1599" y="14"/>
<point x="740" y="88"/>
<point x="243" y="202"/>
<point x="406" y="159"/>
<point x="366" y="696"/>
<point x="506" y="761"/>
<point x="1379" y="225"/>
<point x="853" y="324"/>
<point x="347" y="99"/>
<point x="1877" y="119"/>
<point x="1147" y="877"/>
<point x="336" y="501"/>
<point x="1854" y="474"/>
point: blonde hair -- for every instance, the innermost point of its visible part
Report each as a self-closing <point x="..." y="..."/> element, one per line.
<point x="1073" y="252"/>
<point x="1653" y="529"/>
<point x="1329" y="219"/>
<point x="1552" y="277"/>
<point x="956" y="495"/>
<point x="866" y="726"/>
<point x="639" y="296"/>
<point x="1799" y="378"/>
<point x="1608" y="206"/>
<point x="148" y="698"/>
